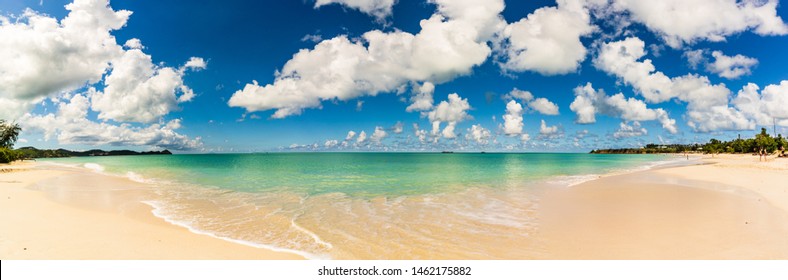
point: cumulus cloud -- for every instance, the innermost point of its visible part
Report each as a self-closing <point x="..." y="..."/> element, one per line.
<point x="548" y="40"/>
<point x="707" y="104"/>
<point x="398" y="127"/>
<point x="775" y="99"/>
<point x="451" y="111"/>
<point x="42" y="57"/>
<point x="719" y="118"/>
<point x="625" y="130"/>
<point x="478" y="134"/>
<point x="71" y="126"/>
<point x="523" y="95"/>
<point x="378" y="135"/>
<point x="139" y="91"/>
<point x="350" y="135"/>
<point x="589" y="102"/>
<point x="731" y="67"/>
<point x="541" y="105"/>
<point x="694" y="57"/>
<point x="314" y="38"/>
<point x="620" y="58"/>
<point x="134" y="43"/>
<point x="195" y="63"/>
<point x="361" y="137"/>
<point x="331" y="144"/>
<point x="451" y="42"/>
<point x="422" y="98"/>
<point x="681" y="22"/>
<point x="545" y="130"/>
<point x="377" y="8"/>
<point x="420" y="134"/>
<point x="513" y="119"/>
<point x="525" y="138"/>
<point x="768" y="107"/>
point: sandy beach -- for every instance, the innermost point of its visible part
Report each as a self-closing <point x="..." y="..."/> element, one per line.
<point x="96" y="223"/>
<point x="726" y="207"/>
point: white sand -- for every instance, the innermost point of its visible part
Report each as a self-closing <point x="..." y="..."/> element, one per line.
<point x="40" y="225"/>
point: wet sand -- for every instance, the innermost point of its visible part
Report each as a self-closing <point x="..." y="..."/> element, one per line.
<point x="729" y="207"/>
<point x="96" y="222"/>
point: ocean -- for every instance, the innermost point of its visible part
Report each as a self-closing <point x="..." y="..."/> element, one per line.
<point x="364" y="205"/>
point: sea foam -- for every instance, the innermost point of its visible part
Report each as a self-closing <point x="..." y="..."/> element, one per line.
<point x="94" y="166"/>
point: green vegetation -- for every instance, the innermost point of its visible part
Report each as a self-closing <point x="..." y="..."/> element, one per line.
<point x="30" y="152"/>
<point x="9" y="133"/>
<point x="761" y="144"/>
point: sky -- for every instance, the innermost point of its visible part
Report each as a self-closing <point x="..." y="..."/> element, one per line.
<point x="389" y="75"/>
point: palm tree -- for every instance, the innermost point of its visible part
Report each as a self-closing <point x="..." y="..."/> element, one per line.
<point x="9" y="133"/>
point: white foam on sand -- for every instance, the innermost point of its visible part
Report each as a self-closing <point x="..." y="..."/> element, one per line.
<point x="158" y="212"/>
<point x="95" y="167"/>
<point x="573" y="180"/>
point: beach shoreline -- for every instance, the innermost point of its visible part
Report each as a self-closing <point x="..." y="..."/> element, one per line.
<point x="578" y="220"/>
<point x="46" y="225"/>
<point x="721" y="207"/>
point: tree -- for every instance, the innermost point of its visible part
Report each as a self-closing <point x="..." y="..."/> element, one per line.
<point x="765" y="144"/>
<point x="9" y="133"/>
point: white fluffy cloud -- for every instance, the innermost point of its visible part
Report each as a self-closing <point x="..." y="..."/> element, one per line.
<point x="694" y="57"/>
<point x="541" y="105"/>
<point x="195" y="63"/>
<point x="422" y="98"/>
<point x="589" y="102"/>
<point x="350" y="135"/>
<point x="361" y="137"/>
<point x="523" y="95"/>
<point x="775" y="99"/>
<point x="731" y="67"/>
<point x="330" y="143"/>
<point x="139" y="91"/>
<point x="620" y="58"/>
<point x="513" y="119"/>
<point x="378" y="135"/>
<point x="421" y="134"/>
<point x="766" y="108"/>
<point x="398" y="128"/>
<point x="625" y="130"/>
<point x="451" y="111"/>
<point x="71" y="126"/>
<point x="42" y="57"/>
<point x="134" y="43"/>
<point x="451" y="42"/>
<point x="377" y="8"/>
<point x="680" y="22"/>
<point x="548" y="40"/>
<point x="478" y="134"/>
<point x="707" y="104"/>
<point x="547" y="130"/>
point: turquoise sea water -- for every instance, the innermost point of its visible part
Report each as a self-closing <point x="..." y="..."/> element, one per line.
<point x="363" y="174"/>
<point x="363" y="205"/>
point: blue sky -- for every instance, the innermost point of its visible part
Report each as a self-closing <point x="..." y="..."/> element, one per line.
<point x="238" y="42"/>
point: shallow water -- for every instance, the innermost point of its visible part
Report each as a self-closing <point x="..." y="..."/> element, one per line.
<point x="363" y="205"/>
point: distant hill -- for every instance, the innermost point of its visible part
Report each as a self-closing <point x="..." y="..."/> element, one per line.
<point x="31" y="152"/>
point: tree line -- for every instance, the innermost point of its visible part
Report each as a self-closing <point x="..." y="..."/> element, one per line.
<point x="761" y="144"/>
<point x="9" y="133"/>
